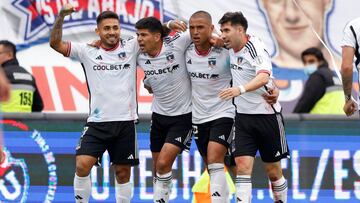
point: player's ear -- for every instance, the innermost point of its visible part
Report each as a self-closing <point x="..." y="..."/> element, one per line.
<point x="97" y="31"/>
<point x="212" y="28"/>
<point x="158" y="37"/>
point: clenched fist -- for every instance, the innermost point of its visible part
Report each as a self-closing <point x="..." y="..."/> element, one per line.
<point x="67" y="9"/>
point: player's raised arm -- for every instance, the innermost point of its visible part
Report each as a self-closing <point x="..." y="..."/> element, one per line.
<point x="56" y="33"/>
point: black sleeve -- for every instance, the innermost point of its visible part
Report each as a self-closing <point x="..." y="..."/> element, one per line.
<point x="38" y="104"/>
<point x="315" y="88"/>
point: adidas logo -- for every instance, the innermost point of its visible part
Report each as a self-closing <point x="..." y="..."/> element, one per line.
<point x="78" y="197"/>
<point x="189" y="61"/>
<point x="222" y="137"/>
<point x="277" y="154"/>
<point x="148" y="62"/>
<point x="160" y="200"/>
<point x="131" y="157"/>
<point x="99" y="57"/>
<point x="216" y="194"/>
<point x="178" y="139"/>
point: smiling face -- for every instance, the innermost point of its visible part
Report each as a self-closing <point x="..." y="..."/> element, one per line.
<point x="109" y="32"/>
<point x="290" y="25"/>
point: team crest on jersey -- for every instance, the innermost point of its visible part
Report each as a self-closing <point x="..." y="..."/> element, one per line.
<point x="170" y="57"/>
<point x="239" y="60"/>
<point x="212" y="62"/>
<point x="122" y="55"/>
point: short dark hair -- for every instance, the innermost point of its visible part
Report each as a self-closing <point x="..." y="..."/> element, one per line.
<point x="315" y="52"/>
<point x="152" y="24"/>
<point x="235" y="18"/>
<point x="201" y="14"/>
<point x="106" y="15"/>
<point x="9" y="46"/>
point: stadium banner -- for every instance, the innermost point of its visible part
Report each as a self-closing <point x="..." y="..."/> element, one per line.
<point x="285" y="27"/>
<point x="40" y="164"/>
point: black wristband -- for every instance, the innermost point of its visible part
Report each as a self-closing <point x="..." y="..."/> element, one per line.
<point x="347" y="97"/>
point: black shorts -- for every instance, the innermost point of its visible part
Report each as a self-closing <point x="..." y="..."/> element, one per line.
<point x="117" y="137"/>
<point x="218" y="130"/>
<point x="261" y="132"/>
<point x="170" y="129"/>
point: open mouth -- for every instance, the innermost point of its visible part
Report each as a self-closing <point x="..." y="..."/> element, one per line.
<point x="142" y="46"/>
<point x="227" y="43"/>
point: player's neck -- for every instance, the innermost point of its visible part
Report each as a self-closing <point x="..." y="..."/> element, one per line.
<point x="107" y="47"/>
<point x="242" y="43"/>
<point x="156" y="51"/>
<point x="203" y="49"/>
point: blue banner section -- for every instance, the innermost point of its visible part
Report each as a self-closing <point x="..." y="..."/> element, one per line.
<point x="64" y="143"/>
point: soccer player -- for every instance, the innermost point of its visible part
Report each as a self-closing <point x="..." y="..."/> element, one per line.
<point x="212" y="118"/>
<point x="163" y="62"/>
<point x="350" y="48"/>
<point x="4" y="96"/>
<point x="110" y="74"/>
<point x="258" y="125"/>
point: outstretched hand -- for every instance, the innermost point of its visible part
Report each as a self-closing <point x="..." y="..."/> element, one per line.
<point x="216" y="41"/>
<point x="95" y="43"/>
<point x="229" y="93"/>
<point x="272" y="96"/>
<point x="178" y="25"/>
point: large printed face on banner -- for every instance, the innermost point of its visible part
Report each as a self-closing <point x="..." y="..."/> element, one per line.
<point x="292" y="27"/>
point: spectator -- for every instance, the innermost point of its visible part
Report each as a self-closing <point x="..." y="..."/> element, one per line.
<point x="24" y="96"/>
<point x="4" y="96"/>
<point x="322" y="93"/>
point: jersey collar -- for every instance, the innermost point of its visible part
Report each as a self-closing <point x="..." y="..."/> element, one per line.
<point x="202" y="53"/>
<point x="112" y="48"/>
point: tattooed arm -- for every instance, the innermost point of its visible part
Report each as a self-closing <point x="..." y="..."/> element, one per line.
<point x="347" y="78"/>
<point x="56" y="33"/>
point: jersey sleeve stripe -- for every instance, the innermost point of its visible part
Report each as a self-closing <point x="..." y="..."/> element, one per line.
<point x="250" y="51"/>
<point x="263" y="71"/>
<point x="253" y="47"/>
<point x="68" y="49"/>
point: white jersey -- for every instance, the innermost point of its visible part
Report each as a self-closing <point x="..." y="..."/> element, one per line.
<point x="245" y="64"/>
<point x="209" y="74"/>
<point x="351" y="38"/>
<point x="110" y="76"/>
<point x="167" y="76"/>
